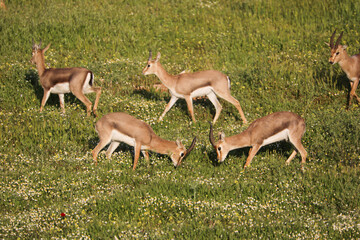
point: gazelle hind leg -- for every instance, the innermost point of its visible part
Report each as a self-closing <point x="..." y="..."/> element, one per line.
<point x="212" y="97"/>
<point x="81" y="96"/>
<point x="227" y="96"/>
<point x="111" y="149"/>
<point x="98" y="93"/>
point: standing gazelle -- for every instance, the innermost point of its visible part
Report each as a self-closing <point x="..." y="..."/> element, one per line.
<point x="121" y="127"/>
<point x="189" y="85"/>
<point x="263" y="131"/>
<point x="350" y="65"/>
<point x="59" y="81"/>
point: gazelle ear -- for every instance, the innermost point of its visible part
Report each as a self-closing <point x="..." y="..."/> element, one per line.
<point x="178" y="143"/>
<point x="221" y="136"/>
<point x="46" y="48"/>
<point x="158" y="56"/>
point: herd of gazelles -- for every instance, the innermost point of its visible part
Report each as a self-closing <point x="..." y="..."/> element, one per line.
<point x="119" y="127"/>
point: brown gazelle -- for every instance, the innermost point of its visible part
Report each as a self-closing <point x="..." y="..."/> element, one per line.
<point x="350" y="65"/>
<point x="121" y="127"/>
<point x="189" y="85"/>
<point x="59" y="81"/>
<point x="263" y="131"/>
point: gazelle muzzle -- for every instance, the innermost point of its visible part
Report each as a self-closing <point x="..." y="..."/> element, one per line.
<point x="187" y="151"/>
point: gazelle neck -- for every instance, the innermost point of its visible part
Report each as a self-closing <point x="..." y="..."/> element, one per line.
<point x="166" y="78"/>
<point x="239" y="140"/>
<point x="40" y="65"/>
<point x="161" y="146"/>
<point x="346" y="61"/>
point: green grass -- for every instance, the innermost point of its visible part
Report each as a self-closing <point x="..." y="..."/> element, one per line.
<point x="275" y="55"/>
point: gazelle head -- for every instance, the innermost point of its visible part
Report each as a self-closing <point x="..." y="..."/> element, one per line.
<point x="151" y="67"/>
<point x="38" y="53"/>
<point x="221" y="147"/>
<point x="181" y="152"/>
<point x="336" y="49"/>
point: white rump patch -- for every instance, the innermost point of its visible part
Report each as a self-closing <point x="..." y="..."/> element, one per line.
<point x="60" y="88"/>
<point x="283" y="135"/>
<point x="87" y="88"/>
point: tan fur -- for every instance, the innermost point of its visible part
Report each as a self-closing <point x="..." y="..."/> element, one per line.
<point x="51" y="78"/>
<point x="2" y="5"/>
<point x="349" y="64"/>
<point x="116" y="127"/>
<point x="260" y="130"/>
<point x="185" y="85"/>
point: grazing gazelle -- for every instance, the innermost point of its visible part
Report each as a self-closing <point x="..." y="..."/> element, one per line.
<point x="59" y="81"/>
<point x="350" y="65"/>
<point x="121" y="127"/>
<point x="263" y="131"/>
<point x="189" y="85"/>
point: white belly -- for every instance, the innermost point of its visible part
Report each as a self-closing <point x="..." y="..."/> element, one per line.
<point x="119" y="137"/>
<point x="201" y="92"/>
<point x="197" y="93"/>
<point x="283" y="135"/>
<point x="60" y="88"/>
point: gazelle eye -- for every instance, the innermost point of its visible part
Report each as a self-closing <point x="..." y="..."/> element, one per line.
<point x="181" y="154"/>
<point x="219" y="148"/>
<point x="337" y="53"/>
<point x="149" y="65"/>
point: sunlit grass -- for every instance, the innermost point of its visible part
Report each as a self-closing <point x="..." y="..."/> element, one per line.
<point x="275" y="55"/>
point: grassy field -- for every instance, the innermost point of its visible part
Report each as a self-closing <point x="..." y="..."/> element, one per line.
<point x="275" y="55"/>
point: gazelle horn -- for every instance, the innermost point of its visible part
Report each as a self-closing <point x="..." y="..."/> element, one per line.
<point x="211" y="136"/>
<point x="188" y="150"/>
<point x="150" y="55"/>
<point x="338" y="40"/>
<point x="332" y="40"/>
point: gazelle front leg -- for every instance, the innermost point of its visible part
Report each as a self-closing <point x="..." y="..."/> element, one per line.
<point x="189" y="103"/>
<point x="354" y="86"/>
<point x="111" y="149"/>
<point x="146" y="156"/>
<point x="252" y="154"/>
<point x="137" y="149"/>
<point x="168" y="106"/>
<point x="62" y="102"/>
<point x="293" y="154"/>
<point x="45" y="98"/>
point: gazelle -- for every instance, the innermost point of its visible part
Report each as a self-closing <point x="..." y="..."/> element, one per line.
<point x="263" y="131"/>
<point x="350" y="65"/>
<point x="189" y="85"/>
<point x="121" y="127"/>
<point x="59" y="81"/>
